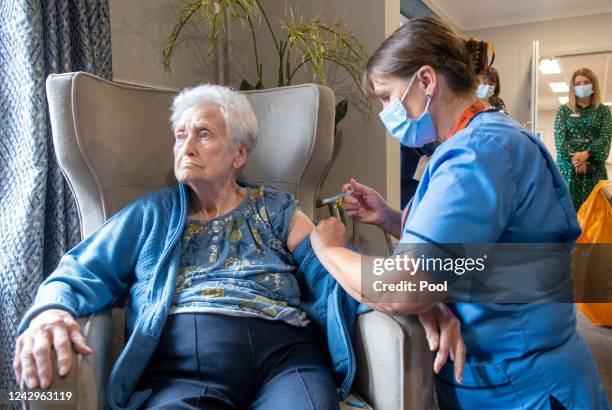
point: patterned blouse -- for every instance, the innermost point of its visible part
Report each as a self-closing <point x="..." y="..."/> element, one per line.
<point x="238" y="263"/>
<point x="588" y="129"/>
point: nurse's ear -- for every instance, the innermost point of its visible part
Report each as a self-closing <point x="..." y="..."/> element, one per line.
<point x="427" y="80"/>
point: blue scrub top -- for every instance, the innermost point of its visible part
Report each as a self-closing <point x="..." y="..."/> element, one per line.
<point x="494" y="182"/>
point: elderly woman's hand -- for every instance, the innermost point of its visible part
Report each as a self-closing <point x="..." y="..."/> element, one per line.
<point x="443" y="332"/>
<point x="52" y="328"/>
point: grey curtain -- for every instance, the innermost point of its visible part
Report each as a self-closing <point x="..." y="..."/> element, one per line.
<point x="38" y="216"/>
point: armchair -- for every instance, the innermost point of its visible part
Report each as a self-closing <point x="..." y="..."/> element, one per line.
<point x="113" y="143"/>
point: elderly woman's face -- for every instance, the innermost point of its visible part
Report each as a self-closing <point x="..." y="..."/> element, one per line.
<point x="203" y="152"/>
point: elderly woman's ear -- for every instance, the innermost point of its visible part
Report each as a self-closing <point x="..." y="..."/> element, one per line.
<point x="240" y="157"/>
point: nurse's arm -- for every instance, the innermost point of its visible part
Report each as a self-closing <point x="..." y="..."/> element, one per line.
<point x="392" y="223"/>
<point x="346" y="266"/>
<point x="442" y="329"/>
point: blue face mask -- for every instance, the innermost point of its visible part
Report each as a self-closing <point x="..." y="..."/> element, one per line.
<point x="409" y="132"/>
<point x="583" y="91"/>
<point x="485" y="91"/>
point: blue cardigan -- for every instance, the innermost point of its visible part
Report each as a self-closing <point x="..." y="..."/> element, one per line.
<point x="135" y="251"/>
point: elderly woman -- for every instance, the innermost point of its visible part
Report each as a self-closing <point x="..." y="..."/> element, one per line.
<point x="214" y="301"/>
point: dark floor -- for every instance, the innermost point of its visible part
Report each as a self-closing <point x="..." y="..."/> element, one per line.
<point x="599" y="340"/>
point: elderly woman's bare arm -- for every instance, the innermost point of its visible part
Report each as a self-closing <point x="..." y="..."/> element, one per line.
<point x="299" y="228"/>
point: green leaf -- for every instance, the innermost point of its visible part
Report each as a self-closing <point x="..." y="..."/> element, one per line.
<point x="245" y="85"/>
<point x="341" y="110"/>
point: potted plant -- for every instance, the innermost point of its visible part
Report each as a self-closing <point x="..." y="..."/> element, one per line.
<point x="300" y="45"/>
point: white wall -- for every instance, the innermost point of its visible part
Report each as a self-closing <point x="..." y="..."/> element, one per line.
<point x="364" y="152"/>
<point x="546" y="120"/>
<point x="513" y="50"/>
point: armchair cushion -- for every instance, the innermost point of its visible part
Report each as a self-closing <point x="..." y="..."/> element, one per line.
<point x="395" y="363"/>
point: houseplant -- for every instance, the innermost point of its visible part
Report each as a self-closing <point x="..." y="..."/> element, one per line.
<point x="300" y="45"/>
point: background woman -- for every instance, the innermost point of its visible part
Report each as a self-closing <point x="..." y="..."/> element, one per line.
<point x="583" y="128"/>
<point x="489" y="88"/>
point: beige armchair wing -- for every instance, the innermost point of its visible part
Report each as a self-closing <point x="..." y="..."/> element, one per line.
<point x="114" y="143"/>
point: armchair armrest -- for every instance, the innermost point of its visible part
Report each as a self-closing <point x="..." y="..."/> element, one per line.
<point x="394" y="362"/>
<point x="87" y="377"/>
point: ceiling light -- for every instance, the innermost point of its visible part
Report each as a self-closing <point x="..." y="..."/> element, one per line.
<point x="563" y="100"/>
<point x="550" y="66"/>
<point x="560" y="87"/>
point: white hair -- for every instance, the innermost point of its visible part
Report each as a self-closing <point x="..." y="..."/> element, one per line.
<point x="238" y="115"/>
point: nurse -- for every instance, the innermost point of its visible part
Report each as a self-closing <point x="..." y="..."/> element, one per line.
<point x="488" y="181"/>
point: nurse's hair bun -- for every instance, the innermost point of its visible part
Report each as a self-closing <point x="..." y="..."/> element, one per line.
<point x="481" y="55"/>
<point x="428" y="41"/>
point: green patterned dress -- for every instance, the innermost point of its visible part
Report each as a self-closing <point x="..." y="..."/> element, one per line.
<point x="590" y="129"/>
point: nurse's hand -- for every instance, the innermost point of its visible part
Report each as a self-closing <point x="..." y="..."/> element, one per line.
<point x="51" y="329"/>
<point x="443" y="333"/>
<point x="329" y="233"/>
<point x="366" y="206"/>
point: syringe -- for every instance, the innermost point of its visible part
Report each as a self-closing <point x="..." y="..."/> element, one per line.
<point x="335" y="198"/>
<point x="334" y="204"/>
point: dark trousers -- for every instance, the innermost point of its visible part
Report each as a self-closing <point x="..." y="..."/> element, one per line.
<point x="212" y="361"/>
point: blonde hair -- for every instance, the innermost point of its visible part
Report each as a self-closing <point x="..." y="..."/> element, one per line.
<point x="595" y="97"/>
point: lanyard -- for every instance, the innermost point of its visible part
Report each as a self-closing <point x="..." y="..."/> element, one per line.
<point x="465" y="118"/>
<point x="462" y="122"/>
